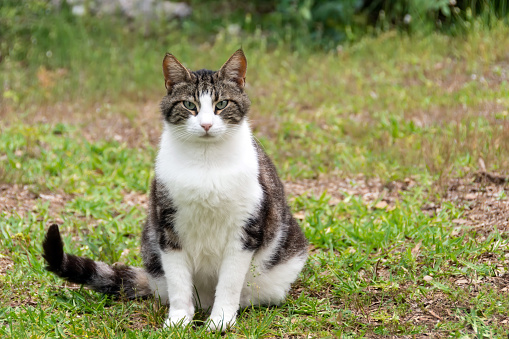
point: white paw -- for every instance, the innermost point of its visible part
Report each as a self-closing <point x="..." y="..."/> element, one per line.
<point x="178" y="319"/>
<point x="220" y="324"/>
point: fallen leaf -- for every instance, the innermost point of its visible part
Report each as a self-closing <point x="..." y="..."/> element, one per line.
<point x="415" y="250"/>
<point x="435" y="315"/>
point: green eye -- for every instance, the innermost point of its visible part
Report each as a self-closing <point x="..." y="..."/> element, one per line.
<point x="222" y="104"/>
<point x="189" y="105"/>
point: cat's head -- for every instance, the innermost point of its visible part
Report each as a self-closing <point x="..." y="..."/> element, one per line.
<point x="205" y="105"/>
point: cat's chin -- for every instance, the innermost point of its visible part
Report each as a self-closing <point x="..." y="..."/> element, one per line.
<point x="209" y="138"/>
<point x="203" y="139"/>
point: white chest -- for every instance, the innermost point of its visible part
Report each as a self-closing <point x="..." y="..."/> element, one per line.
<point x="215" y="190"/>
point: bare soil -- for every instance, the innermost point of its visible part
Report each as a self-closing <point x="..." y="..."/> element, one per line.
<point x="5" y="264"/>
<point x="370" y="189"/>
<point x="20" y="200"/>
<point x="484" y="197"/>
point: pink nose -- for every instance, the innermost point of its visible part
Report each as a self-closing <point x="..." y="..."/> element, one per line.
<point x="206" y="127"/>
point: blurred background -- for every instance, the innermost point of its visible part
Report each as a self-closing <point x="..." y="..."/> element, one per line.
<point x="394" y="68"/>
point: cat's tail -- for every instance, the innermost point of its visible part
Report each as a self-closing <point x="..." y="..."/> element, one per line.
<point x="119" y="280"/>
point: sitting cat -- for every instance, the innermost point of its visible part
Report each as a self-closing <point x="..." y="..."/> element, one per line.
<point x="219" y="233"/>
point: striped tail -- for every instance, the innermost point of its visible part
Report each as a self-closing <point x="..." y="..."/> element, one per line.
<point x="118" y="280"/>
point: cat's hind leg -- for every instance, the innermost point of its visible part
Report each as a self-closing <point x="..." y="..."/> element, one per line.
<point x="270" y="286"/>
<point x="160" y="288"/>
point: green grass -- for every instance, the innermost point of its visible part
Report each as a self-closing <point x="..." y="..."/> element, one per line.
<point x="389" y="107"/>
<point x="354" y="240"/>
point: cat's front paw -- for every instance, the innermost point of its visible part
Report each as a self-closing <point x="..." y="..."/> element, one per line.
<point x="219" y="323"/>
<point x="178" y="319"/>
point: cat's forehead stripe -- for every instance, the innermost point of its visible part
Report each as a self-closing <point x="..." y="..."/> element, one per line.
<point x="205" y="99"/>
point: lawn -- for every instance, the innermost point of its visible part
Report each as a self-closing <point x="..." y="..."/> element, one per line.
<point x="394" y="151"/>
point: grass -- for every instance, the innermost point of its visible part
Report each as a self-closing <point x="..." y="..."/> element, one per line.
<point x="408" y="92"/>
<point x="79" y="132"/>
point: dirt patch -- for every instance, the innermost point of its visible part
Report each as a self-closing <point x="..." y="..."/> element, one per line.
<point x="483" y="196"/>
<point x="370" y="189"/>
<point x="20" y="200"/>
<point x="141" y="127"/>
<point x="485" y="199"/>
<point x="22" y="294"/>
<point x="428" y="311"/>
<point x="461" y="113"/>
<point x="475" y="285"/>
<point x="376" y="309"/>
<point x="453" y="75"/>
<point x="16" y="199"/>
<point x="135" y="199"/>
<point x="5" y="264"/>
<point x="135" y="123"/>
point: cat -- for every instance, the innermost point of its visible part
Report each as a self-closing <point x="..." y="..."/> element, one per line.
<point x="219" y="234"/>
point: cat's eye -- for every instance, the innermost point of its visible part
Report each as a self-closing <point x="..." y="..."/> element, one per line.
<point x="222" y="104"/>
<point x="189" y="105"/>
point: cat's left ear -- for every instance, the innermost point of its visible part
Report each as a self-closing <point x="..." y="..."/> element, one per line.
<point x="235" y="68"/>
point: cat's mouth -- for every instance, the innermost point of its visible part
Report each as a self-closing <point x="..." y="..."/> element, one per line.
<point x="207" y="136"/>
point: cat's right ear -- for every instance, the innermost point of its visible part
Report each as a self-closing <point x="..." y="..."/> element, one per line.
<point x="174" y="72"/>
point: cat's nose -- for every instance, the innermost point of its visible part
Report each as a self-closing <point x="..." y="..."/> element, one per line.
<point x="206" y="127"/>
